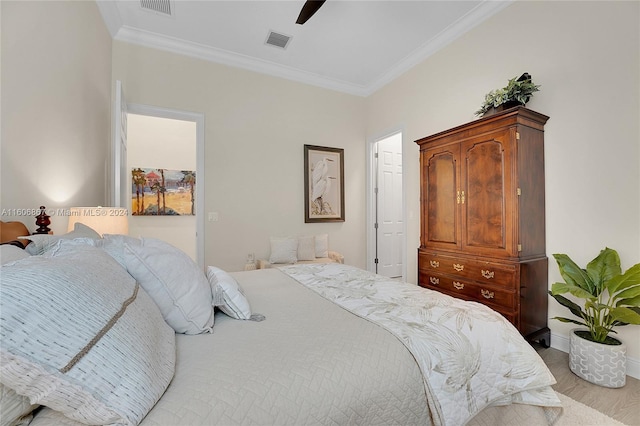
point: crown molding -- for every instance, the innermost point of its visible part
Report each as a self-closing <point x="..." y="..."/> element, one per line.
<point x="127" y="34"/>
<point x="470" y="20"/>
<point x="225" y="57"/>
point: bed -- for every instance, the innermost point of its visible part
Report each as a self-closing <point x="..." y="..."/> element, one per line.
<point x="302" y="344"/>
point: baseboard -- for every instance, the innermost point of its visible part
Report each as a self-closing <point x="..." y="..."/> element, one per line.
<point x="561" y="343"/>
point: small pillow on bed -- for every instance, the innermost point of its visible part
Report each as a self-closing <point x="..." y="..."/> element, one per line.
<point x="234" y="303"/>
<point x="307" y="248"/>
<point x="322" y="245"/>
<point x="284" y="250"/>
<point x="174" y="281"/>
<point x="10" y="253"/>
<point x="40" y="243"/>
<point x="79" y="335"/>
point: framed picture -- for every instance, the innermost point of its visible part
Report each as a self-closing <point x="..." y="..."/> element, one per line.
<point x="162" y="192"/>
<point x="323" y="184"/>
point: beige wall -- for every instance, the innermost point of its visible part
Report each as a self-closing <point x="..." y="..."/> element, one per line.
<point x="56" y="91"/>
<point x="255" y="130"/>
<point x="586" y="57"/>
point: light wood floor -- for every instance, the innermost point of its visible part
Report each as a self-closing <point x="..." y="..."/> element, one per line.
<point x="622" y="404"/>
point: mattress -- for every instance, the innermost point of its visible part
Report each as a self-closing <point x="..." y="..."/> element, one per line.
<point x="310" y="361"/>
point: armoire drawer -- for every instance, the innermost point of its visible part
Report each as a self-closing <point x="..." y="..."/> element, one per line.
<point x="501" y="274"/>
<point x="469" y="290"/>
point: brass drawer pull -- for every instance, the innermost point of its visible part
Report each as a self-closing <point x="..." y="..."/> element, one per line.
<point x="458" y="267"/>
<point x="458" y="285"/>
<point x="487" y="294"/>
<point x="434" y="263"/>
<point x="487" y="274"/>
<point x="434" y="280"/>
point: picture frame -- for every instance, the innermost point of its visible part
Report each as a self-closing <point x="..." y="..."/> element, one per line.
<point x="162" y="192"/>
<point x="323" y="184"/>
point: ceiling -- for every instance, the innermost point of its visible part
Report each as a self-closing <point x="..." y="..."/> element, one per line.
<point x="354" y="47"/>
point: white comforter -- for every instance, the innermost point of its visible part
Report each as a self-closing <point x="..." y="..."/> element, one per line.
<point x="314" y="362"/>
<point x="470" y="356"/>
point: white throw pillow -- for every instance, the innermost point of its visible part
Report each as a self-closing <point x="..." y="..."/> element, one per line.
<point x="175" y="282"/>
<point x="322" y="245"/>
<point x="40" y="243"/>
<point x="234" y="303"/>
<point x="81" y="336"/>
<point x="307" y="248"/>
<point x="284" y="250"/>
<point x="10" y="253"/>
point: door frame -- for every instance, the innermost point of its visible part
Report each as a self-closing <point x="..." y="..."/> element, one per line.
<point x="198" y="118"/>
<point x="371" y="199"/>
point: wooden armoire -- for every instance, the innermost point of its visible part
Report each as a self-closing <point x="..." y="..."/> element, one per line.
<point x="483" y="216"/>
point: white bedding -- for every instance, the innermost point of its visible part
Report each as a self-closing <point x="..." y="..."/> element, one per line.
<point x="310" y="362"/>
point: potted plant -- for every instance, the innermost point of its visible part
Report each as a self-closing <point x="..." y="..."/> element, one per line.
<point x="517" y="92"/>
<point x="611" y="299"/>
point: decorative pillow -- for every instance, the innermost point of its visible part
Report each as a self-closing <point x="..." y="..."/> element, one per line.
<point x="307" y="248"/>
<point x="13" y="406"/>
<point x="40" y="243"/>
<point x="114" y="245"/>
<point x="175" y="282"/>
<point x="234" y="303"/>
<point x="81" y="336"/>
<point x="284" y="250"/>
<point x="322" y="245"/>
<point x="9" y="253"/>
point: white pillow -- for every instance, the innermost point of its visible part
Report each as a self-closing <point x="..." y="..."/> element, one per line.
<point x="306" y="248"/>
<point x="40" y="243"/>
<point x="284" y="250"/>
<point x="175" y="282"/>
<point x="234" y="302"/>
<point x="81" y="336"/>
<point x="322" y="245"/>
<point x="13" y="406"/>
<point x="10" y="253"/>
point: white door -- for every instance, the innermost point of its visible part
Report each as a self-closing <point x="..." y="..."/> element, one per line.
<point x="120" y="193"/>
<point x="389" y="207"/>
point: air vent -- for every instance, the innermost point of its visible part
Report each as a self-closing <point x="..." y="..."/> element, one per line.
<point x="158" y="6"/>
<point x="278" y="40"/>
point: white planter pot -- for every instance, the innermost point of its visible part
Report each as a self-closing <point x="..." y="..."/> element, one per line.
<point x="604" y="365"/>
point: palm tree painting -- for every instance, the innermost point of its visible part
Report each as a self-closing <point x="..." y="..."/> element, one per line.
<point x="162" y="192"/>
<point x="324" y="184"/>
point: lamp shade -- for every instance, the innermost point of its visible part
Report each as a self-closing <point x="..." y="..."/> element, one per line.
<point x="103" y="220"/>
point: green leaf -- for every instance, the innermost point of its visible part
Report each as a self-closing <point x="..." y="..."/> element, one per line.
<point x="561" y="319"/>
<point x="629" y="279"/>
<point x="631" y="295"/>
<point x="604" y="267"/>
<point x="574" y="308"/>
<point x="562" y="288"/>
<point x="625" y="315"/>
<point x="573" y="274"/>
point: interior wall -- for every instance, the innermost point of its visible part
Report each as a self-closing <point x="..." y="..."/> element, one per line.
<point x="585" y="55"/>
<point x="154" y="142"/>
<point x="255" y="130"/>
<point x="55" y="112"/>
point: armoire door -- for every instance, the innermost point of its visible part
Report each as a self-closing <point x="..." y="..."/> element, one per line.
<point x="487" y="214"/>
<point x="441" y="197"/>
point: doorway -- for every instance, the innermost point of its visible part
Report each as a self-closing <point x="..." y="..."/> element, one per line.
<point x="386" y="213"/>
<point x="168" y="142"/>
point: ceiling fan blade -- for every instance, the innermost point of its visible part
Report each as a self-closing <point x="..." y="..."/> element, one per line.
<point x="310" y="7"/>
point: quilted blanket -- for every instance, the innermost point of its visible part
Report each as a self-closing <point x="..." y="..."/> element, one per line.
<point x="470" y="356"/>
